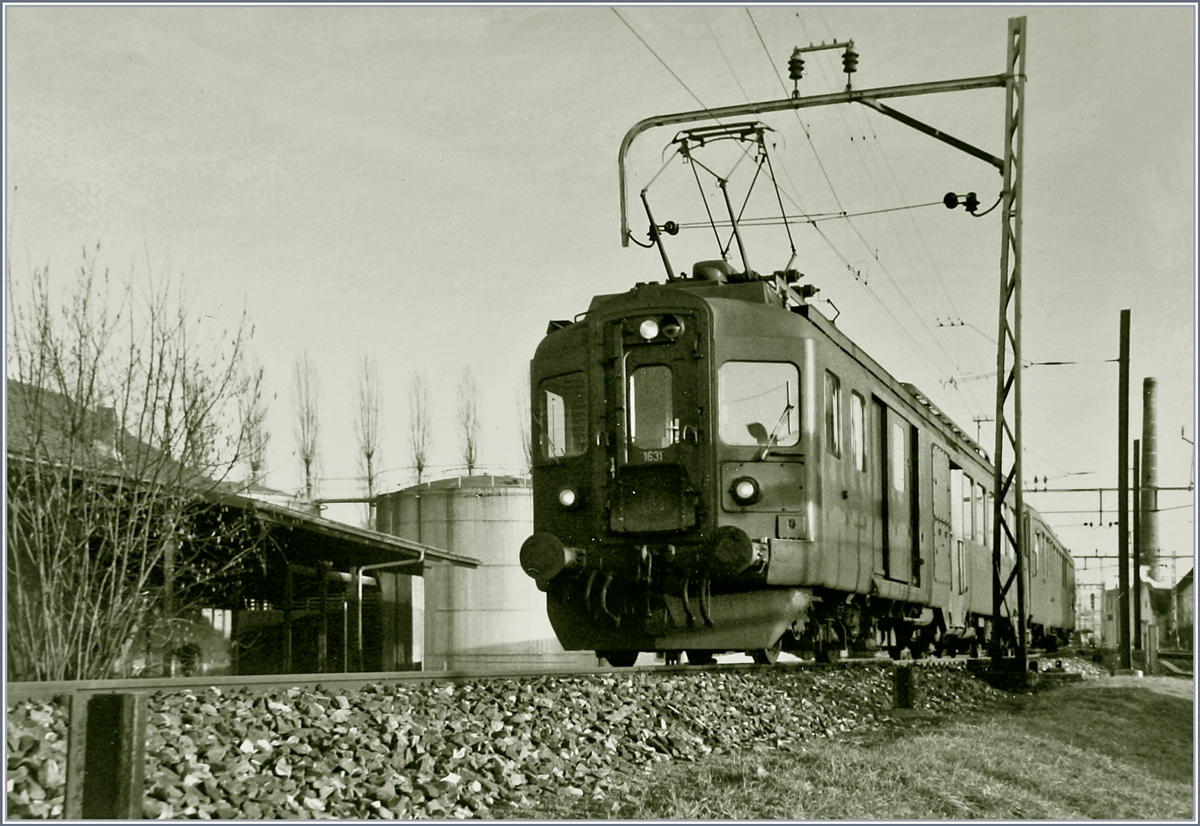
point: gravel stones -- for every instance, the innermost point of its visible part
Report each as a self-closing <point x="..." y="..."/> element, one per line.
<point x="37" y="759"/>
<point x="483" y="749"/>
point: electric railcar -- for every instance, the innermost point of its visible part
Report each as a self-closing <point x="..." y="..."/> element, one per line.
<point x="718" y="468"/>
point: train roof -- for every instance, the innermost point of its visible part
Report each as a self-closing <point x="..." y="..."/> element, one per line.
<point x="771" y="291"/>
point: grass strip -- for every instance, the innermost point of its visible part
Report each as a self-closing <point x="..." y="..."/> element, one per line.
<point x="1098" y="750"/>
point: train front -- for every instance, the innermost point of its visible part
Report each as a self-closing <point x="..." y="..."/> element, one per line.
<point x="642" y="524"/>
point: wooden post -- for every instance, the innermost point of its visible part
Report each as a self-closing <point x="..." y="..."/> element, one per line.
<point x="323" y="630"/>
<point x="235" y="646"/>
<point x="357" y="591"/>
<point x="114" y="757"/>
<point x="289" y="598"/>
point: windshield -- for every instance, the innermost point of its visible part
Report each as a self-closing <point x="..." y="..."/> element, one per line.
<point x="651" y="407"/>
<point x="759" y="403"/>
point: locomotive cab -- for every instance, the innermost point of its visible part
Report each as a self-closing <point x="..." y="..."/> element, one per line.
<point x="666" y="457"/>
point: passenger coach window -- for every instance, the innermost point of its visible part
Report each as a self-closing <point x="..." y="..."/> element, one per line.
<point x="562" y="416"/>
<point x="833" y="414"/>
<point x="651" y="407"/>
<point x="980" y="515"/>
<point x="898" y="454"/>
<point x="968" y="523"/>
<point x="858" y="420"/>
<point x="759" y="403"/>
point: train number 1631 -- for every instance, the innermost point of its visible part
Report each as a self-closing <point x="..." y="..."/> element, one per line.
<point x="652" y="456"/>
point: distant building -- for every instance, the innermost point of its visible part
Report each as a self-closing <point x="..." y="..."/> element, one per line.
<point x="493" y="617"/>
<point x="1089" y="613"/>
<point x="1183" y="601"/>
<point x="314" y="595"/>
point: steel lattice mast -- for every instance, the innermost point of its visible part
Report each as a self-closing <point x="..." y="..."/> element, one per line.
<point x="1009" y="523"/>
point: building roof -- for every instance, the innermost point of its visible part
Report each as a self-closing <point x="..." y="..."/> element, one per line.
<point x="345" y="545"/>
<point x="43" y="425"/>
<point x="1184" y="581"/>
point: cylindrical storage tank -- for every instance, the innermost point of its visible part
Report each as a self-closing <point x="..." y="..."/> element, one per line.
<point x="492" y="616"/>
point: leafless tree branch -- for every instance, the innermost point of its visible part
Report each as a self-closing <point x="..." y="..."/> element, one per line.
<point x="419" y="438"/>
<point x="306" y="386"/>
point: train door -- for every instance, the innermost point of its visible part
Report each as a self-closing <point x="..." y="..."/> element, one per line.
<point x="898" y="491"/>
<point x="943" y="510"/>
<point x="655" y="374"/>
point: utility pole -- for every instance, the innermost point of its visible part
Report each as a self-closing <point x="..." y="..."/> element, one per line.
<point x="1123" y="651"/>
<point x="978" y="421"/>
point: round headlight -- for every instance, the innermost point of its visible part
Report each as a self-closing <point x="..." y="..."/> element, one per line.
<point x="567" y="498"/>
<point x="649" y="329"/>
<point x="672" y="327"/>
<point x="745" y="491"/>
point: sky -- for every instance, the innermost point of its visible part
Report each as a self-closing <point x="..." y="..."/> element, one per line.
<point x="430" y="186"/>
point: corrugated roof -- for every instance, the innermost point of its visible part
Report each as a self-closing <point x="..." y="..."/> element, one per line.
<point x="385" y="547"/>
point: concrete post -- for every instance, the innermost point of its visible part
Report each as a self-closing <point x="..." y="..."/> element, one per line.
<point x="905" y="687"/>
<point x="106" y="757"/>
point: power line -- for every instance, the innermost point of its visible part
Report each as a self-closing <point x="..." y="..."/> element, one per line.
<point x="659" y="59"/>
<point x="973" y="403"/>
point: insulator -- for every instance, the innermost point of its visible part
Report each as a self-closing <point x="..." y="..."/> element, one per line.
<point x="849" y="61"/>
<point x="951" y="200"/>
<point x="796" y="65"/>
<point x="971" y="203"/>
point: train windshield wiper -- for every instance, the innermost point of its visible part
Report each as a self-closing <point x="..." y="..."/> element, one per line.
<point x="763" y="438"/>
<point x="773" y="438"/>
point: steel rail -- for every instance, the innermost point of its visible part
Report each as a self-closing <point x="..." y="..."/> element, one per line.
<point x="18" y="691"/>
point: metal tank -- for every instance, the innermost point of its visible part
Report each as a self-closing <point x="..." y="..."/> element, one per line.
<point x="490" y="617"/>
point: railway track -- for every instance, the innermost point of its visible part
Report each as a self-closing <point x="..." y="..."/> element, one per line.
<point x="17" y="691"/>
<point x="1184" y="662"/>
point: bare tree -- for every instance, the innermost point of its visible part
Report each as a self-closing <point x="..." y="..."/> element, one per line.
<point x="254" y="414"/>
<point x="306" y="387"/>
<point x="523" y="421"/>
<point x="125" y="418"/>
<point x="366" y="427"/>
<point x="468" y="418"/>
<point x="419" y="436"/>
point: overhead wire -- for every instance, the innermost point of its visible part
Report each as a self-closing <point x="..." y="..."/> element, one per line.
<point x="844" y="213"/>
<point x="658" y="58"/>
<point x="863" y="118"/>
<point x="974" y="403"/>
<point x="942" y="295"/>
<point x="906" y="238"/>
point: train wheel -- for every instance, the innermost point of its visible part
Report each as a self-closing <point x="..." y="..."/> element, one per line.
<point x="619" y="659"/>
<point x="767" y="656"/>
<point x="701" y="657"/>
